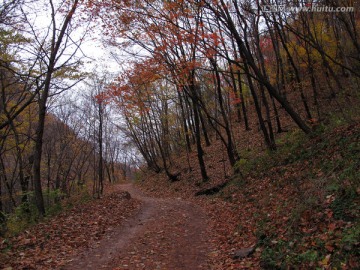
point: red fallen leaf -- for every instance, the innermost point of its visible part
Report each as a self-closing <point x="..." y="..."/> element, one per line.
<point x="353" y="263"/>
<point x="329" y="248"/>
<point x="332" y="227"/>
<point x="329" y="213"/>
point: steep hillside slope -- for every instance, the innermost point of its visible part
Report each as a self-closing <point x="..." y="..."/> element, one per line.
<point x="298" y="207"/>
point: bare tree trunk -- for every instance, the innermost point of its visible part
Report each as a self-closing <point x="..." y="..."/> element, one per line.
<point x="230" y="146"/>
<point x="257" y="108"/>
<point x="55" y="47"/>
<point x="243" y="106"/>
<point x="204" y="130"/>
<point x="185" y="126"/>
<point x="100" y="143"/>
<point x="200" y="151"/>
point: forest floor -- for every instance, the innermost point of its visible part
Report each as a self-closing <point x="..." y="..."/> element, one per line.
<point x="120" y="231"/>
<point x="296" y="208"/>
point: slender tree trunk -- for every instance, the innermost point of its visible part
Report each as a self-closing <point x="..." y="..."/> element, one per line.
<point x="190" y="119"/>
<point x="257" y="107"/>
<point x="268" y="119"/>
<point x="8" y="186"/>
<point x="101" y="158"/>
<point x="39" y="200"/>
<point x="185" y="126"/>
<point x="277" y="117"/>
<point x="200" y="151"/>
<point x="313" y="81"/>
<point x="204" y="130"/>
<point x="55" y="47"/>
<point x="243" y="104"/>
<point x="230" y="146"/>
<point x="23" y="180"/>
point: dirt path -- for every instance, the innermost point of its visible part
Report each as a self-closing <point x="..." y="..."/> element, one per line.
<point x="165" y="234"/>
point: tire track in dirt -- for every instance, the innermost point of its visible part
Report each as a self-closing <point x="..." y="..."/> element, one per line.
<point x="165" y="234"/>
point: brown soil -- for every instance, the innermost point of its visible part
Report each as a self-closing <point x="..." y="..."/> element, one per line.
<point x="164" y="234"/>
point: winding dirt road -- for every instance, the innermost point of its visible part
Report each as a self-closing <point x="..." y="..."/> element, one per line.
<point x="165" y="234"/>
